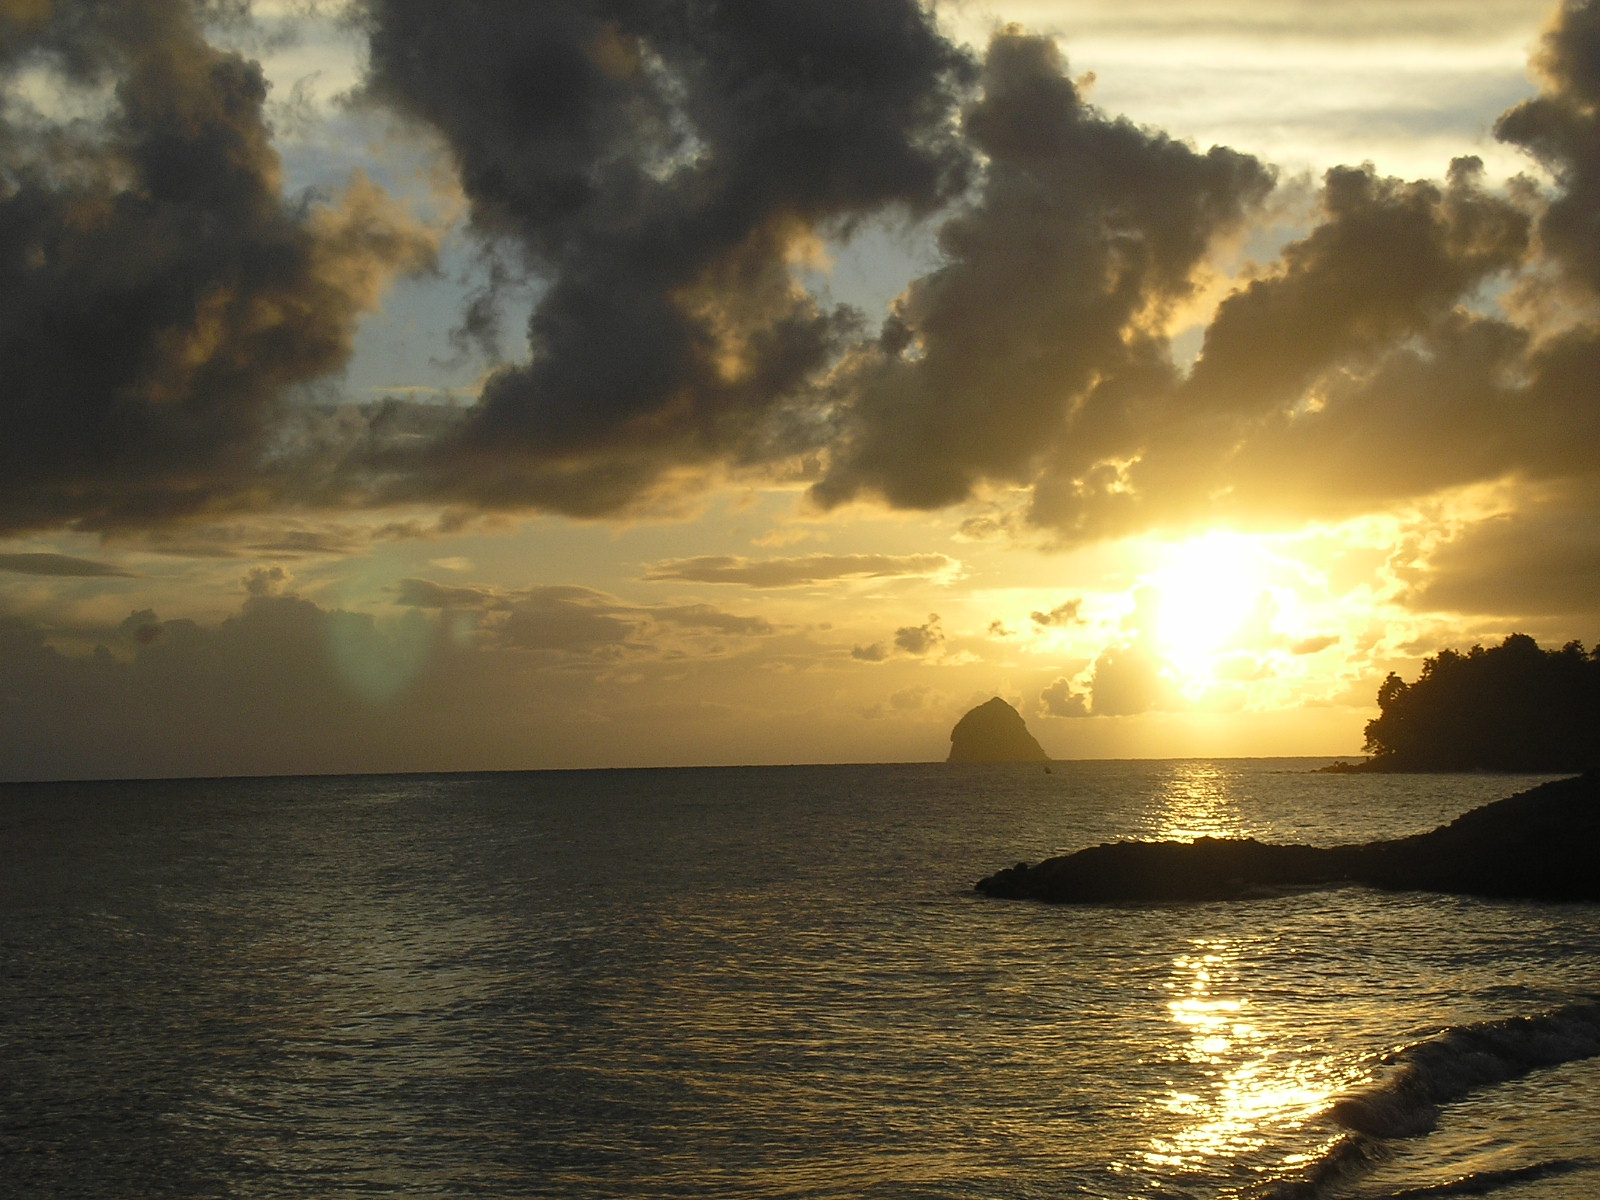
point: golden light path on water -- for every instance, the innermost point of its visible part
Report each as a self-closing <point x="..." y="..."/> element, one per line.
<point x="1256" y="1081"/>
<point x="1197" y="805"/>
<point x="1253" y="1087"/>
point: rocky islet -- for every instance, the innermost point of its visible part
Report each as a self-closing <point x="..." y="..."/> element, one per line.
<point x="1541" y="844"/>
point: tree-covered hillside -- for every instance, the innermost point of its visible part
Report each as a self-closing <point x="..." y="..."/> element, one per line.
<point x="1513" y="707"/>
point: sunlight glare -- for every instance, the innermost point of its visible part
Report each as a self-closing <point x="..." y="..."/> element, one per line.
<point x="1250" y="1086"/>
<point x="1197" y="805"/>
<point x="1210" y="593"/>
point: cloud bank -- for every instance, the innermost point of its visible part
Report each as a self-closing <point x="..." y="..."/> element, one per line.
<point x="61" y="565"/>
<point x="668" y="173"/>
<point x="464" y="677"/>
<point x="804" y="570"/>
<point x="163" y="296"/>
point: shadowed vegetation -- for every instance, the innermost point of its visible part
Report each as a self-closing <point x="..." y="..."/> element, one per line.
<point x="1513" y="707"/>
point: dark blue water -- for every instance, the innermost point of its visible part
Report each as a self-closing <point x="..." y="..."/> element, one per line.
<point x="765" y="982"/>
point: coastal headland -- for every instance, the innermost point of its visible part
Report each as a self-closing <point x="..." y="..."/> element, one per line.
<point x="1541" y="844"/>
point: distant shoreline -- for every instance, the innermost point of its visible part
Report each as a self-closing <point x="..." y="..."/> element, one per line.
<point x="1379" y="766"/>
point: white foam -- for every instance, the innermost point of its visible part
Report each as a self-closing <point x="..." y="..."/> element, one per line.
<point x="1404" y="1101"/>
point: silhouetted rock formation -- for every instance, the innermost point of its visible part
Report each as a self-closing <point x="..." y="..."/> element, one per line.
<point x="1512" y="707"/>
<point x="994" y="732"/>
<point x="1540" y="844"/>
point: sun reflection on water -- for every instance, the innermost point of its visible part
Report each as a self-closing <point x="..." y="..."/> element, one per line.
<point x="1241" y="1085"/>
<point x="1197" y="803"/>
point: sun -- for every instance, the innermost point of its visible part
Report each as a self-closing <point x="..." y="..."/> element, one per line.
<point x="1211" y="596"/>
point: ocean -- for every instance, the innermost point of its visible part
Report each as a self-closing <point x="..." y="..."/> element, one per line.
<point x="769" y="982"/>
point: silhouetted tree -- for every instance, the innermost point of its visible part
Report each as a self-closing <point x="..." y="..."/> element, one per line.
<point x="1514" y="707"/>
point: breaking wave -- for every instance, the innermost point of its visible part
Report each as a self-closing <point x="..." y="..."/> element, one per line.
<point x="1479" y="1183"/>
<point x="1403" y="1101"/>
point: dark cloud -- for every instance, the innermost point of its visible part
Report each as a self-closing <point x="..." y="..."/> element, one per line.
<point x="1349" y="375"/>
<point x="281" y="686"/>
<point x="1388" y="260"/>
<point x="981" y="529"/>
<point x="1128" y="681"/>
<point x="921" y="639"/>
<point x="1065" y="613"/>
<point x="661" y="166"/>
<point x="573" y="619"/>
<point x="141" y="626"/>
<point x="655" y="172"/>
<point x="162" y="294"/>
<point x="918" y="641"/>
<point x="287" y="686"/>
<point x="1542" y="561"/>
<point x="425" y="593"/>
<point x="1059" y="700"/>
<point x="266" y="581"/>
<point x="795" y="572"/>
<point x="1314" y="645"/>
<point x="1343" y="379"/>
<point x="1441" y="411"/>
<point x="40" y="563"/>
<point x="703" y="616"/>
<point x="1561" y="129"/>
<point x="298" y="543"/>
<point x="1087" y="230"/>
<point x="1361" y="371"/>
<point x="1357" y="371"/>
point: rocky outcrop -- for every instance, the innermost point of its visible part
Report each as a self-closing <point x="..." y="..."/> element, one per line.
<point x="1540" y="844"/>
<point x="994" y="732"/>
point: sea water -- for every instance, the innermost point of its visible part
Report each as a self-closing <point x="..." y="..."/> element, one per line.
<point x="765" y="982"/>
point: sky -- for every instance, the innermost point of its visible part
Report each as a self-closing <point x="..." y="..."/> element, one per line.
<point x="396" y="385"/>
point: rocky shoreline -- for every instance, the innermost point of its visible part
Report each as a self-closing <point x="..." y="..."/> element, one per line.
<point x="1542" y="844"/>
